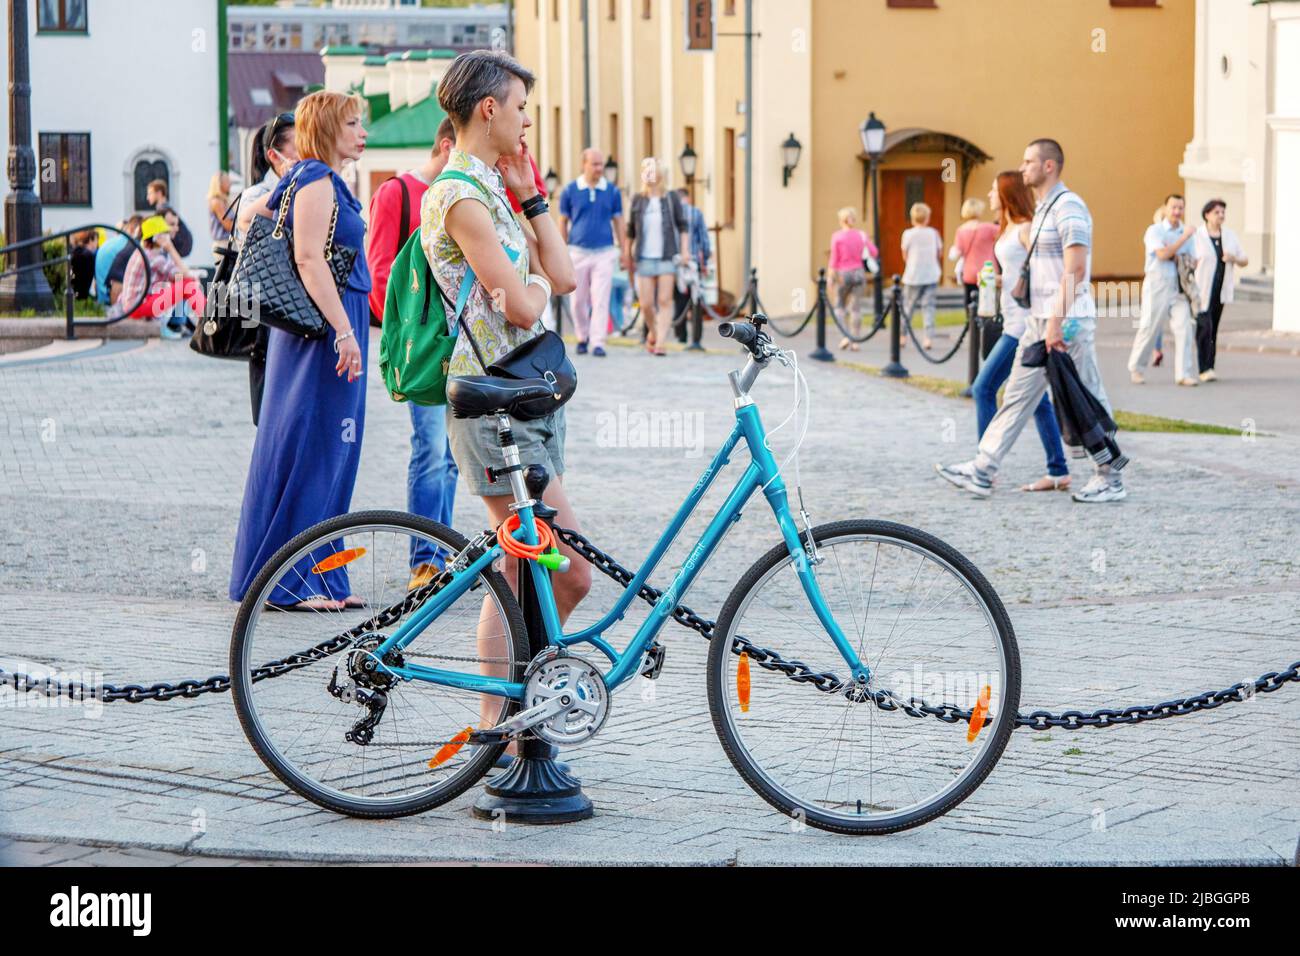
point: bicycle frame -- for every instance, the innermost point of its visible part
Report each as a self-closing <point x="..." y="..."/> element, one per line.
<point x="762" y="473"/>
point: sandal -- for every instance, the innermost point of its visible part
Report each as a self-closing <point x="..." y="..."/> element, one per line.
<point x="845" y="344"/>
<point x="1049" y="483"/>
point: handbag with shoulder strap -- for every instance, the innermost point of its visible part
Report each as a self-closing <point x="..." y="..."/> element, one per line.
<point x="1021" y="292"/>
<point x="542" y="356"/>
<point x="266" y="274"/>
<point x="223" y="331"/>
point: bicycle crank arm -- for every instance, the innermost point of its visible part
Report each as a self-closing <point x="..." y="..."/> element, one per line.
<point x="522" y="721"/>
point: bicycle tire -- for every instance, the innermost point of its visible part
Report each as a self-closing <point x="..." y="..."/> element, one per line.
<point x="733" y="745"/>
<point x="241" y="685"/>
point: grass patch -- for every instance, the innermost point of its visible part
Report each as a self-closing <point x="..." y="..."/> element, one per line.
<point x="1138" y="422"/>
<point x="1127" y="421"/>
<point x="1073" y="752"/>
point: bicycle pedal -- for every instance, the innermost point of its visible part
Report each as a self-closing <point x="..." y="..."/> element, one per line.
<point x="654" y="662"/>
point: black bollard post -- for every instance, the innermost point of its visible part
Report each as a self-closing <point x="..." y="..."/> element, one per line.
<point x="973" y="365"/>
<point x="821" y="353"/>
<point x="697" y="325"/>
<point x="534" y="788"/>
<point x="895" y="367"/>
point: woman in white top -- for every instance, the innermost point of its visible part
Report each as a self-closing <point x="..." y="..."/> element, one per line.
<point x="1011" y="202"/>
<point x="923" y="253"/>
<point x="1218" y="250"/>
<point x="657" y="241"/>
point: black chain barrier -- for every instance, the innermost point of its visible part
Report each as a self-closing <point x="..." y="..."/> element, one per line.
<point x="825" y="681"/>
<point x="911" y="332"/>
<point x="833" y="312"/>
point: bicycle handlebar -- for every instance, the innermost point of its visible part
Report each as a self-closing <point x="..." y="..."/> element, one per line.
<point x="743" y="332"/>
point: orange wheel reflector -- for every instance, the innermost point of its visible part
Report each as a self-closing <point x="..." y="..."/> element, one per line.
<point x="337" y="560"/>
<point x="447" y="751"/>
<point x="978" y="715"/>
<point x="742" y="682"/>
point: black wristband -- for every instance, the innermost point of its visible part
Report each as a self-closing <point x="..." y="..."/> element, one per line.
<point x="535" y="207"/>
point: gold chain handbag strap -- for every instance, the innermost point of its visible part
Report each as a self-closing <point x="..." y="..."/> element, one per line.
<point x="329" y="238"/>
<point x="285" y="200"/>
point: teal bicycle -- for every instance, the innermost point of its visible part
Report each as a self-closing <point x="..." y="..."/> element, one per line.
<point x="821" y="664"/>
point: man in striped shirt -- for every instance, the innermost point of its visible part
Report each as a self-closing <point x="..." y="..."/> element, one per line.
<point x="1063" y="315"/>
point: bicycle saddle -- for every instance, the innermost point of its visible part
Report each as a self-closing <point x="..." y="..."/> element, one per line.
<point x="473" y="396"/>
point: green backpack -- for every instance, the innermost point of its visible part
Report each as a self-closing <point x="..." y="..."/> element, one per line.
<point x="416" y="342"/>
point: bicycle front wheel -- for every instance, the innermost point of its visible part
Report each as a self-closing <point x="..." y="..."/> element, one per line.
<point x="902" y="748"/>
<point x="338" y="731"/>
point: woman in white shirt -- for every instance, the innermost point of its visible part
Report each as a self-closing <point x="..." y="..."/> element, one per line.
<point x="1218" y="250"/>
<point x="923" y="253"/>
<point x="657" y="241"/>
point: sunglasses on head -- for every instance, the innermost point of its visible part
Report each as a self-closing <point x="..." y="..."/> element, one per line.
<point x="279" y="125"/>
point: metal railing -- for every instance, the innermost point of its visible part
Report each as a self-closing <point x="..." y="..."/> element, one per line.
<point x="69" y="297"/>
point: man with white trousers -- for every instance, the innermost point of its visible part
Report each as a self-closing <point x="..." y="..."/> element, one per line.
<point x="1162" y="296"/>
<point x="1063" y="315"/>
<point x="591" y="221"/>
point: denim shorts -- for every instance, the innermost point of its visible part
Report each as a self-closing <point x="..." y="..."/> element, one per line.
<point x="655" y="267"/>
<point x="474" y="445"/>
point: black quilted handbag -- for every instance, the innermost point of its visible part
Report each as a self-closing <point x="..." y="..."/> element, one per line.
<point x="266" y="275"/>
<point x="225" y="331"/>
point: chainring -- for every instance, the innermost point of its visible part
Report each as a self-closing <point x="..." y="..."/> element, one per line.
<point x="565" y="675"/>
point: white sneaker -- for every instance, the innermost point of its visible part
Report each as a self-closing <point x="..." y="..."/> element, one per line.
<point x="1209" y="376"/>
<point x="1136" y="378"/>
<point x="1189" y="382"/>
<point x="967" y="477"/>
<point x="1101" y="488"/>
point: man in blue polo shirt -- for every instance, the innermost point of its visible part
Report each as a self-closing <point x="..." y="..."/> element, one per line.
<point x="591" y="221"/>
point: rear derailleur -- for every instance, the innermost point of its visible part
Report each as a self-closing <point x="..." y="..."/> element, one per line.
<point x="365" y="685"/>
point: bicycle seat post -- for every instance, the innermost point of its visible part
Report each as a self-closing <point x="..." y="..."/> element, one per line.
<point x="514" y="470"/>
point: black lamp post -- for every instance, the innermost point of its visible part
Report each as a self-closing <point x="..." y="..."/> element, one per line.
<point x="552" y="183"/>
<point x="27" y="289"/>
<point x="611" y="171"/>
<point x="872" y="132"/>
<point x="790" y="150"/>
<point x="688" y="161"/>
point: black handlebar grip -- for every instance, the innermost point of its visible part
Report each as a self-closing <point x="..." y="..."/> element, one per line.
<point x="742" y="332"/>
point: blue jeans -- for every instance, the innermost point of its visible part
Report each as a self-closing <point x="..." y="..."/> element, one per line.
<point x="430" y="477"/>
<point x="997" y="367"/>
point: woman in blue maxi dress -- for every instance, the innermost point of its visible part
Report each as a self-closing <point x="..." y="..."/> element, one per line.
<point x="308" y="445"/>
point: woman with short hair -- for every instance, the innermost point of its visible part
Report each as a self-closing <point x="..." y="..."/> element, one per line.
<point x="1218" y="250"/>
<point x="463" y="226"/>
<point x="308" y="445"/>
<point x="973" y="246"/>
<point x="922" y="253"/>
<point x="847" y="274"/>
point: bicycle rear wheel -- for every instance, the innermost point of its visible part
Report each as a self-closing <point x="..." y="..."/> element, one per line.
<point x="865" y="759"/>
<point x="307" y="716"/>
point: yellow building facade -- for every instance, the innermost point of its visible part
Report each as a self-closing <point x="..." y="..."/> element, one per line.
<point x="962" y="86"/>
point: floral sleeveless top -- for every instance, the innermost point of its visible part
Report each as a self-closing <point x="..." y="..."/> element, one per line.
<point x="492" y="333"/>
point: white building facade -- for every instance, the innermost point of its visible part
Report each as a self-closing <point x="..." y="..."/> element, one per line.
<point x="386" y="24"/>
<point x="123" y="92"/>
<point x="1246" y="144"/>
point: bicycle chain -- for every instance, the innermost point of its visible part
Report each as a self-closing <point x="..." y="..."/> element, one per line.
<point x="797" y="671"/>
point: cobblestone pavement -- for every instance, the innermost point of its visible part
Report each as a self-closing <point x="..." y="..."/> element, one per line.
<point x="120" y="482"/>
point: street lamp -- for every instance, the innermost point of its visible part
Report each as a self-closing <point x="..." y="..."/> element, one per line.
<point x="790" y="149"/>
<point x="552" y="182"/>
<point x="688" y="161"/>
<point x="872" y="133"/>
<point x="28" y="288"/>
<point x="611" y="171"/>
